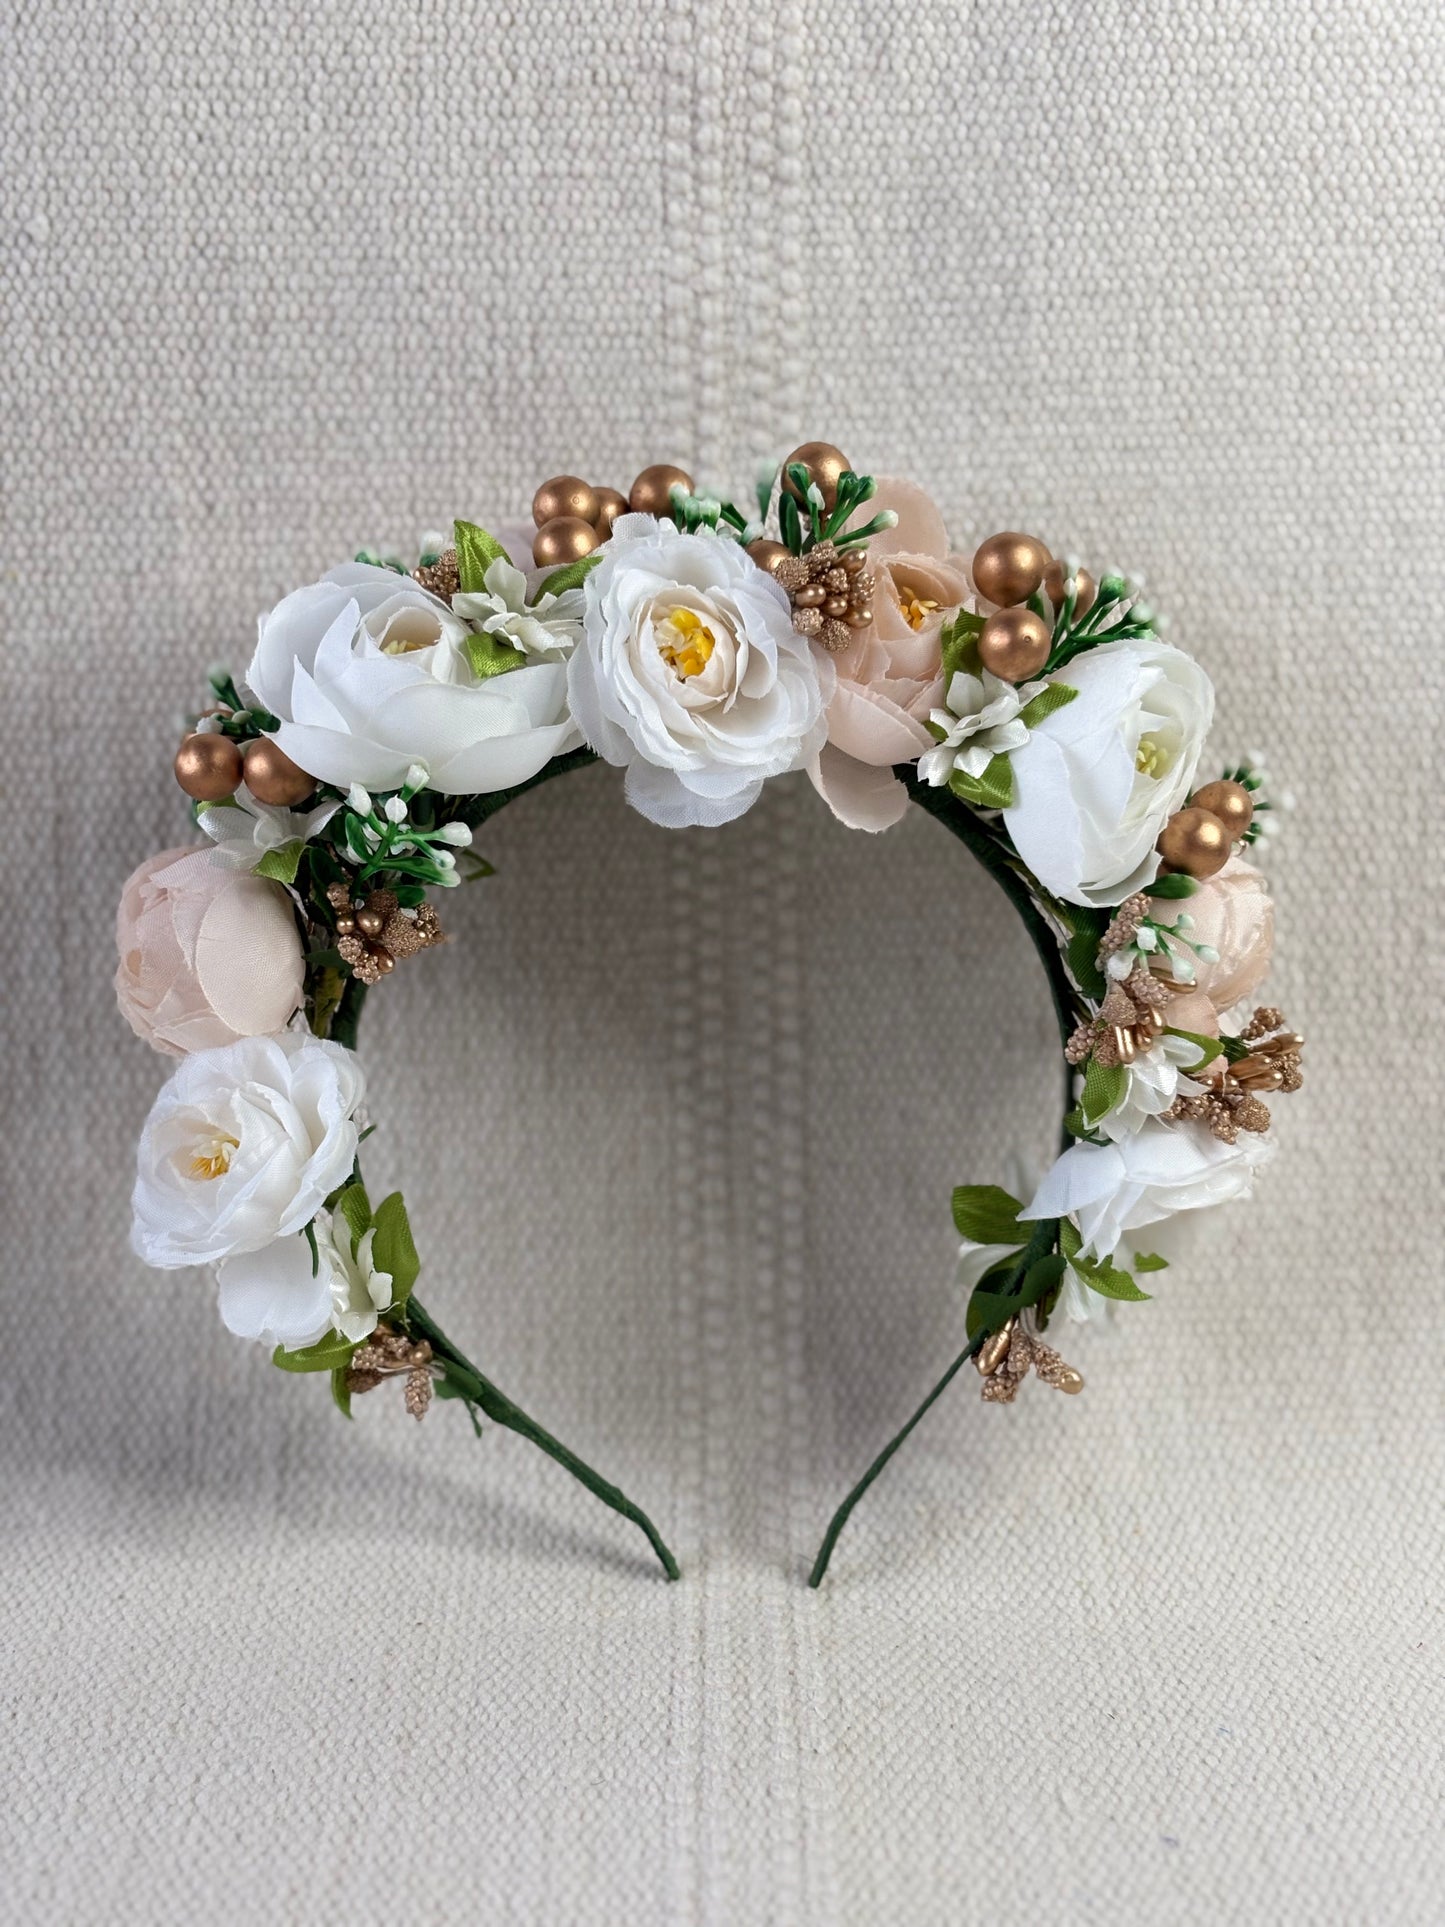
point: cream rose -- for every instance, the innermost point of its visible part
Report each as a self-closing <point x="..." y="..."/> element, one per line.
<point x="1233" y="913"/>
<point x="1112" y="1189"/>
<point x="1097" y="780"/>
<point x="890" y="677"/>
<point x="242" y="1147"/>
<point x="207" y="954"/>
<point x="691" y="676"/>
<point x="370" y="674"/>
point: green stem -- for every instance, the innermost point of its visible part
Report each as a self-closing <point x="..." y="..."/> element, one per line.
<point x="998" y="860"/>
<point x="479" y="1389"/>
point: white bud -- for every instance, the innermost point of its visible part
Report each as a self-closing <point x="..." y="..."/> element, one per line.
<point x="887" y="518"/>
<point x="416" y="776"/>
<point x="359" y="800"/>
<point x="815" y="498"/>
<point x="444" y="859"/>
<point x="1119" y="966"/>
<point x="394" y="810"/>
<point x="1145" y="938"/>
<point x="1184" y="921"/>
<point x="1141" y="612"/>
<point x="457" y="834"/>
<point x="1208" y="952"/>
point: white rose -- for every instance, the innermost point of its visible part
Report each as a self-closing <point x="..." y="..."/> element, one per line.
<point x="242" y="1146"/>
<point x="279" y="1295"/>
<point x="1097" y="780"/>
<point x="1112" y="1189"/>
<point x="691" y="676"/>
<point x="369" y="674"/>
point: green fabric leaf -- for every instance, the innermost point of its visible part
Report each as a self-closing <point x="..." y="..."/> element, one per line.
<point x="1173" y="884"/>
<point x="570" y="576"/>
<point x="340" y="1391"/>
<point x="959" y="639"/>
<point x="994" y="790"/>
<point x="355" y="1208"/>
<point x="1086" y="929"/>
<point x="1210" y="1047"/>
<point x="987" y="1310"/>
<point x="1103" y="1090"/>
<point x="1105" y="1278"/>
<point x="326" y="1355"/>
<point x="1055" y="696"/>
<point x="1150" y="1261"/>
<point x="491" y="655"/>
<point x="392" y="1248"/>
<point x="987" y="1215"/>
<point x="476" y="552"/>
<point x="281" y="863"/>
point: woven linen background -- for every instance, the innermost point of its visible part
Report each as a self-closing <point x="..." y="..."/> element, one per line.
<point x="678" y="1114"/>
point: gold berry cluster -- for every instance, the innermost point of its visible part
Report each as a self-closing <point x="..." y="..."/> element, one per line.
<point x="373" y="933"/>
<point x="1128" y="1021"/>
<point x="831" y="591"/>
<point x="388" y="1354"/>
<point x="1233" y="1102"/>
<point x="573" y="517"/>
<point x="1006" y="1358"/>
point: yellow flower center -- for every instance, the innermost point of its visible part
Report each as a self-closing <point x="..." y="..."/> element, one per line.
<point x="1152" y="758"/>
<point x="686" y="643"/>
<point x="409" y="631"/>
<point x="916" y="608"/>
<point x="212" y="1156"/>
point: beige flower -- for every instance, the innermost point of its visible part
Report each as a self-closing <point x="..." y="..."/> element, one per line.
<point x="207" y="954"/>
<point x="1234" y="914"/>
<point x="891" y="676"/>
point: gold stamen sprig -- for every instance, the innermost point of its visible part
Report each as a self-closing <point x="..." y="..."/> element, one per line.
<point x="1129" y="1021"/>
<point x="389" y="1354"/>
<point x="1008" y="1355"/>
<point x="374" y="934"/>
<point x="1267" y="1057"/>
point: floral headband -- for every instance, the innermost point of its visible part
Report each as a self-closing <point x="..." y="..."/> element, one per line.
<point x="389" y="712"/>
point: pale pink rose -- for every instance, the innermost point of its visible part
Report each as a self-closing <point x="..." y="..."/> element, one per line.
<point x="207" y="954"/>
<point x="1234" y="914"/>
<point x="890" y="676"/>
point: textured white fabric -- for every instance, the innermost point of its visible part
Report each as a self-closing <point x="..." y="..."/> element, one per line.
<point x="678" y="1114"/>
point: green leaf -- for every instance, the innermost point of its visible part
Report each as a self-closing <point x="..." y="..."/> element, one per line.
<point x="281" y="863"/>
<point x="790" y="524"/>
<point x="1105" y="1278"/>
<point x="392" y="1249"/>
<point x="987" y="1310"/>
<point x="1086" y="929"/>
<point x="1150" y="1261"/>
<point x="1055" y="696"/>
<point x="1210" y="1047"/>
<point x="570" y="576"/>
<point x="959" y="639"/>
<point x="1172" y="884"/>
<point x="1234" y="1048"/>
<point x="994" y="790"/>
<point x="491" y="655"/>
<point x="1103" y="1089"/>
<point x="355" y="1208"/>
<point x="476" y="552"/>
<point x="328" y="1354"/>
<point x="987" y="1214"/>
<point x="340" y="1391"/>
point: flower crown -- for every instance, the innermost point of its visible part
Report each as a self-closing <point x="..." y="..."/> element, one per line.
<point x="391" y="711"/>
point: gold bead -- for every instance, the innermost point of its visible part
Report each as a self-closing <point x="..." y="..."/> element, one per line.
<point x="1084" y="589"/>
<point x="271" y="776"/>
<point x="208" y="767"/>
<point x="768" y="554"/>
<point x="836" y="605"/>
<point x="1014" y="643"/>
<point x="564" y="495"/>
<point x="1230" y="802"/>
<point x="1068" y="1380"/>
<point x="567" y="538"/>
<point x="1195" y="842"/>
<point x="860" y="614"/>
<point x="346" y="926"/>
<point x="812" y="595"/>
<point x="825" y="465"/>
<point x="854" y="561"/>
<point x="1009" y="567"/>
<point x="611" y="503"/>
<point x="370" y="922"/>
<point x="651" y="493"/>
<point x="383" y="959"/>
